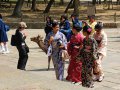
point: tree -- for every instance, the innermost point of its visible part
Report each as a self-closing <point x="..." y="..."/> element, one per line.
<point x="93" y="2"/>
<point x="68" y="6"/>
<point x="33" y="8"/>
<point x="61" y="2"/>
<point x="47" y="9"/>
<point x="17" y="10"/>
<point x="99" y="1"/>
<point x="76" y="4"/>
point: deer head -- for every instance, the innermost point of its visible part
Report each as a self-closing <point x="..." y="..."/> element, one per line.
<point x="37" y="39"/>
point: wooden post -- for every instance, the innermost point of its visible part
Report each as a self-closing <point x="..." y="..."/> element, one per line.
<point x="115" y="17"/>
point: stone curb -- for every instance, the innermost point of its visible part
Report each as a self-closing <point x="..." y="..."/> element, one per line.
<point x="41" y="25"/>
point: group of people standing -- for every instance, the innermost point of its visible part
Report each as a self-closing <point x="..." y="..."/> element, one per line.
<point x="85" y="44"/>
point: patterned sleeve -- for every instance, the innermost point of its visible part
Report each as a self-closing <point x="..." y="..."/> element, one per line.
<point x="64" y="41"/>
<point x="94" y="49"/>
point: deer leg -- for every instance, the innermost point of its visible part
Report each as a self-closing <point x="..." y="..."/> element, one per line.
<point x="49" y="59"/>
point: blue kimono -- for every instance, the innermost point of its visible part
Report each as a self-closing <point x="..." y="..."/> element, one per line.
<point x="3" y="29"/>
<point x="58" y="63"/>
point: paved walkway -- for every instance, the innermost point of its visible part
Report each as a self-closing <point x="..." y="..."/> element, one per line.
<point x="38" y="78"/>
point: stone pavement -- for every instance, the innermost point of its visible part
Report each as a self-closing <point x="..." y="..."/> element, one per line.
<point x="38" y="78"/>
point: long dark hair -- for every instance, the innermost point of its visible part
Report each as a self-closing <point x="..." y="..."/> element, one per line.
<point x="55" y="23"/>
<point x="49" y="18"/>
<point x="64" y="16"/>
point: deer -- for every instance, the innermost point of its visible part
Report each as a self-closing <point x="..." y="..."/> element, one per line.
<point x="39" y="40"/>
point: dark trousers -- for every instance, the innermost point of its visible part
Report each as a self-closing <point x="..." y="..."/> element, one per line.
<point x="23" y="57"/>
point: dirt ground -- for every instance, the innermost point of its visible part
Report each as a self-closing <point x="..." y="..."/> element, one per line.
<point x="102" y="13"/>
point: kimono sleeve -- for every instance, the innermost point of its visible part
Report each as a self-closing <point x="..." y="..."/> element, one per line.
<point x="94" y="49"/>
<point x="104" y="40"/>
<point x="64" y="41"/>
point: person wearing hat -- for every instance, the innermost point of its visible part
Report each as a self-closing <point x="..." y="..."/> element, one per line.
<point x="75" y="68"/>
<point x="21" y="45"/>
<point x="101" y="38"/>
<point x="3" y="36"/>
<point x="88" y="56"/>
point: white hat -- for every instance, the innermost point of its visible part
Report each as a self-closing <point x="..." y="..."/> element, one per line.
<point x="22" y="24"/>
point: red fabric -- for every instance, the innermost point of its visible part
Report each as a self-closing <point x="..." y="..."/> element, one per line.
<point x="75" y="68"/>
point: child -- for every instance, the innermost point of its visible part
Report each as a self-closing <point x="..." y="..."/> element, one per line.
<point x="3" y="36"/>
<point x="88" y="57"/>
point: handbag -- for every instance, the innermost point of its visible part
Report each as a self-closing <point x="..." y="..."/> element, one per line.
<point x="13" y="40"/>
<point x="49" y="51"/>
<point x="26" y="48"/>
<point x="65" y="55"/>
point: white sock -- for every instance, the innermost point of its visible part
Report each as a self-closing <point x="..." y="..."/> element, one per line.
<point x="2" y="48"/>
<point x="6" y="48"/>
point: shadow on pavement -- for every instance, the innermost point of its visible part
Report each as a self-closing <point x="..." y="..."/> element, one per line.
<point x="44" y="69"/>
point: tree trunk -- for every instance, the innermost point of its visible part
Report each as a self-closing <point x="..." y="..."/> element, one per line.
<point x="68" y="6"/>
<point x="61" y="2"/>
<point x="28" y="3"/>
<point x="76" y="7"/>
<point x="47" y="9"/>
<point x="33" y="8"/>
<point x="93" y="2"/>
<point x="17" y="9"/>
<point x="46" y="1"/>
<point x="99" y="1"/>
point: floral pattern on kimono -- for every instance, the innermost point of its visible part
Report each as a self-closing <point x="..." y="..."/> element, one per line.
<point x="101" y="39"/>
<point x="87" y="56"/>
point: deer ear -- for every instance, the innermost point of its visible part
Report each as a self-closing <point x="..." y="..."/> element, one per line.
<point x="38" y="35"/>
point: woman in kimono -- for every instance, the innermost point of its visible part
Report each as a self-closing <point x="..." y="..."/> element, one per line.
<point x="101" y="38"/>
<point x="58" y="42"/>
<point x="88" y="57"/>
<point x="3" y="36"/>
<point x="75" y="68"/>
